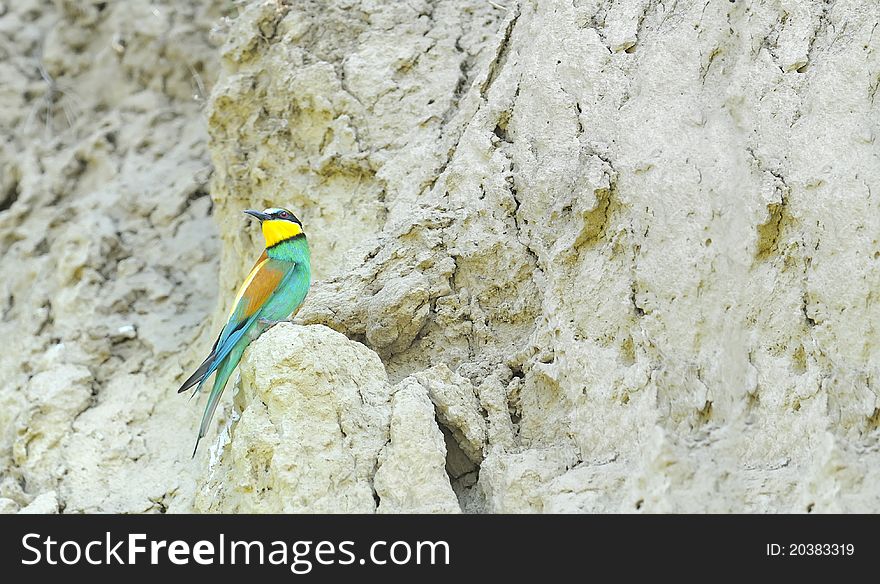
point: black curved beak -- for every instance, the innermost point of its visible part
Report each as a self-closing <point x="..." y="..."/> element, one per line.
<point x="257" y="214"/>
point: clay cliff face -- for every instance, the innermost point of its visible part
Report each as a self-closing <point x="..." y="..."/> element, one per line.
<point x="569" y="256"/>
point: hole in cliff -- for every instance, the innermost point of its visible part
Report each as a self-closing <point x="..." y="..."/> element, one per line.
<point x="11" y="195"/>
<point x="810" y="507"/>
<point x="803" y="68"/>
<point x="516" y="371"/>
<point x="463" y="475"/>
<point x="639" y="503"/>
<point x="630" y="49"/>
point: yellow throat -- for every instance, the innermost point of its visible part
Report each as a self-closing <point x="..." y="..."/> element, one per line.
<point x="276" y="230"/>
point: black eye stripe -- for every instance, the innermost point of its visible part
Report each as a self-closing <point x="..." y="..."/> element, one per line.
<point x="284" y="215"/>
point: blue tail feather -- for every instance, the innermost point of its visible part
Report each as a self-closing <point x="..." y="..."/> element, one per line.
<point x="224" y="371"/>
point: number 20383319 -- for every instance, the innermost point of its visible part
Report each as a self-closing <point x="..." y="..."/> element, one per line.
<point x="811" y="549"/>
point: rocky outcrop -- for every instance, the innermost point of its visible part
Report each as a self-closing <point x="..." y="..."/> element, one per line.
<point x="629" y="267"/>
<point x="319" y="429"/>
<point x="313" y="417"/>
<point x="411" y="474"/>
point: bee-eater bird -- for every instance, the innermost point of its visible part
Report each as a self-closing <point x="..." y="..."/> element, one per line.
<point x="274" y="290"/>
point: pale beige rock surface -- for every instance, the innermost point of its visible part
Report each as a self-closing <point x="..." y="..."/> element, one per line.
<point x="626" y="251"/>
<point x="108" y="248"/>
<point x="318" y="428"/>
<point x="411" y="472"/>
<point x="314" y="411"/>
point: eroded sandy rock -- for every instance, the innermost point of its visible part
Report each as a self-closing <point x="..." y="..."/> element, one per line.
<point x="314" y="411"/>
<point x="107" y="248"/>
<point x="317" y="430"/>
<point x="46" y="503"/>
<point x="458" y="408"/>
<point x="644" y="249"/>
<point x="411" y="475"/>
<point x="8" y="506"/>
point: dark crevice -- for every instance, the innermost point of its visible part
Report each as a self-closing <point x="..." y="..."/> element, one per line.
<point x="704" y="69"/>
<point x="461" y="85"/>
<point x="519" y="228"/>
<point x="462" y="472"/>
<point x="770" y="231"/>
<point x="580" y="123"/>
<point x="196" y="195"/>
<point x="501" y="54"/>
<point x="822" y="25"/>
<point x="501" y="125"/>
<point x="650" y="5"/>
<point x="10" y="196"/>
<point x="501" y="131"/>
<point x="872" y="88"/>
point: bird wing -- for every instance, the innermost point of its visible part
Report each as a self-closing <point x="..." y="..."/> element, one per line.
<point x="261" y="261"/>
<point x="211" y="361"/>
<point x="264" y="279"/>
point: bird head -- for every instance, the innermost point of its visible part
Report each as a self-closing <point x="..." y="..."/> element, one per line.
<point x="278" y="225"/>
